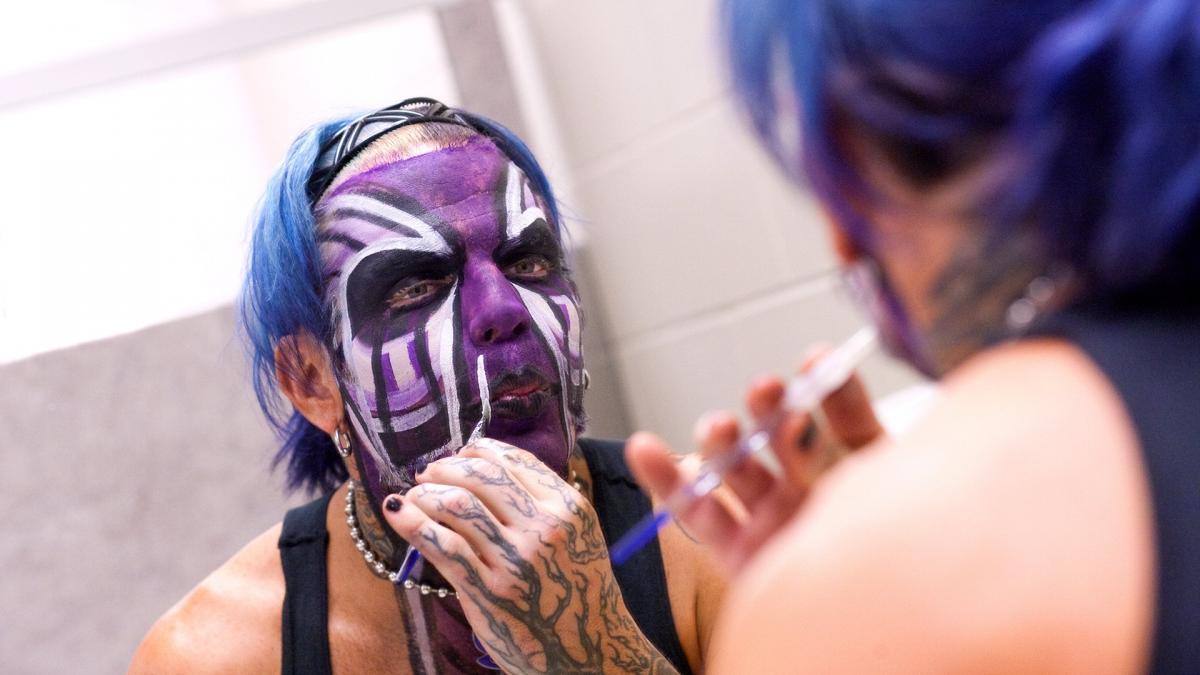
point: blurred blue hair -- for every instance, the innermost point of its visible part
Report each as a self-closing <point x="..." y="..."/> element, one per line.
<point x="1093" y="105"/>
<point x="282" y="295"/>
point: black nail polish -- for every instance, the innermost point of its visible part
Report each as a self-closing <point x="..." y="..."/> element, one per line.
<point x="392" y="503"/>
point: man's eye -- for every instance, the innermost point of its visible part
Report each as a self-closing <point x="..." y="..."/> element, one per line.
<point x="415" y="293"/>
<point x="533" y="267"/>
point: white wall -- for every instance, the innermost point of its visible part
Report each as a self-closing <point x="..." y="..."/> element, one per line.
<point x="129" y="203"/>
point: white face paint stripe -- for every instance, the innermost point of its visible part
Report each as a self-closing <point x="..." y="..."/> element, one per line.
<point x="531" y="216"/>
<point x="388" y="474"/>
<point x="545" y="320"/>
<point x="409" y="421"/>
<point x="574" y="331"/>
<point x="512" y="196"/>
<point x="427" y="238"/>
<point x="442" y="323"/>
<point x="527" y="196"/>
<point x="519" y="218"/>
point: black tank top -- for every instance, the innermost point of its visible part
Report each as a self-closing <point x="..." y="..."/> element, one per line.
<point x="618" y="502"/>
<point x="1153" y="361"/>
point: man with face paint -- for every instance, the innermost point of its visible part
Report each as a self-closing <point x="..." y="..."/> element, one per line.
<point x="407" y="294"/>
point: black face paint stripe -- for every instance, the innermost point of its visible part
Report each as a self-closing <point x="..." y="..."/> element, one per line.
<point x="414" y="208"/>
<point x="499" y="199"/>
<point x="384" y="413"/>
<point x="403" y="598"/>
<point x="374" y="219"/>
<point x="386" y="436"/>
<point x="460" y="366"/>
<point x="327" y="237"/>
<point x="399" y="545"/>
<point x="397" y="201"/>
<point x="574" y="397"/>
<point x="549" y="350"/>
<point x="537" y="238"/>
<point x="425" y="365"/>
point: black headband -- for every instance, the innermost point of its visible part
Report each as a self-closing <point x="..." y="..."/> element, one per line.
<point x="354" y="137"/>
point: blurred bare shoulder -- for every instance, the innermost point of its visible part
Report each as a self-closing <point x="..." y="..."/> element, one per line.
<point x="1009" y="532"/>
<point x="695" y="586"/>
<point x="229" y="623"/>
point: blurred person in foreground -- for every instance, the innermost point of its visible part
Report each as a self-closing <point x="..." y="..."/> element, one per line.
<point x="1015" y="187"/>
<point x="407" y="271"/>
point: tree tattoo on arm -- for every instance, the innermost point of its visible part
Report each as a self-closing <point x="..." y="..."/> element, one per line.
<point x="526" y="554"/>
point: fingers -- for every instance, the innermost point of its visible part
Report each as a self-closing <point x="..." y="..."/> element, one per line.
<point x="851" y="416"/>
<point x="461" y="512"/>
<point x="442" y="547"/>
<point x="525" y="468"/>
<point x="507" y="499"/>
<point x="653" y="464"/>
<point x="848" y="411"/>
<point x="795" y="435"/>
<point x="717" y="432"/>
<point x="657" y="471"/>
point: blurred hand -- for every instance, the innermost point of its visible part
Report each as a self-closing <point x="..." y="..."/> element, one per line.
<point x="753" y="504"/>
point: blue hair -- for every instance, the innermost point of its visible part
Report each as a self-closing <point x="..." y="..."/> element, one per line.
<point x="282" y="294"/>
<point x="1094" y="102"/>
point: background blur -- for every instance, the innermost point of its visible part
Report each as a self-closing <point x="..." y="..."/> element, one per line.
<point x="137" y="135"/>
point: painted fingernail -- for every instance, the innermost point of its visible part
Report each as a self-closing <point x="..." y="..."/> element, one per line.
<point x="392" y="503"/>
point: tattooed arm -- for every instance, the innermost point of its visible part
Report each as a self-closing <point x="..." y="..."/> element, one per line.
<point x="525" y="552"/>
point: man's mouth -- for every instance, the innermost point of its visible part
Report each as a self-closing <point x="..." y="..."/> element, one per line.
<point x="520" y="395"/>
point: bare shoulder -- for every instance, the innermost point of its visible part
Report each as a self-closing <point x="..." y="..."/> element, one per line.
<point x="229" y="623"/>
<point x="695" y="586"/>
<point x="1010" y="531"/>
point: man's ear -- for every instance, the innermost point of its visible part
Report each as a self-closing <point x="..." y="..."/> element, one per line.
<point x="305" y="377"/>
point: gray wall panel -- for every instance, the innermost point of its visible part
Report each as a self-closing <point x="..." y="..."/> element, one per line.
<point x="132" y="468"/>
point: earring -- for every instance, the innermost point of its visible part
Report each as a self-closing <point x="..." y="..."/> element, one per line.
<point x="341" y="442"/>
<point x="587" y="379"/>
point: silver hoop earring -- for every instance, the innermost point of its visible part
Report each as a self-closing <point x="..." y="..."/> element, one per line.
<point x="342" y="443"/>
<point x="587" y="379"/>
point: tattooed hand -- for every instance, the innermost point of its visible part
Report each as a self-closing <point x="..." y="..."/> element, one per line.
<point x="525" y="552"/>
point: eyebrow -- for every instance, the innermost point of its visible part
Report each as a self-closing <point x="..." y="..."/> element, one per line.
<point x="376" y="273"/>
<point x="537" y="237"/>
<point x="400" y="262"/>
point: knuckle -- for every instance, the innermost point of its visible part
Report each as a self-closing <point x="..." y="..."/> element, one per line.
<point x="529" y="547"/>
<point x="555" y="535"/>
<point x="500" y="585"/>
<point x="418" y="492"/>
<point x="459" y="499"/>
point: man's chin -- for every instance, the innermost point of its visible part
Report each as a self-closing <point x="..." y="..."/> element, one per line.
<point x="544" y="438"/>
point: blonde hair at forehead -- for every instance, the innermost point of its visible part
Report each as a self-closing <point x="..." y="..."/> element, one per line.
<point x="406" y="142"/>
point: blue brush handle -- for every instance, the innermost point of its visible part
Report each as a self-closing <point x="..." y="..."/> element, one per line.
<point x="640" y="535"/>
<point x="410" y="561"/>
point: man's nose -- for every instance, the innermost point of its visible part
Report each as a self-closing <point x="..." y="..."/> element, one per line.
<point x="493" y="309"/>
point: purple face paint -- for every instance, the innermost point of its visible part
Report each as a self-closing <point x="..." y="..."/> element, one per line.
<point x="430" y="262"/>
